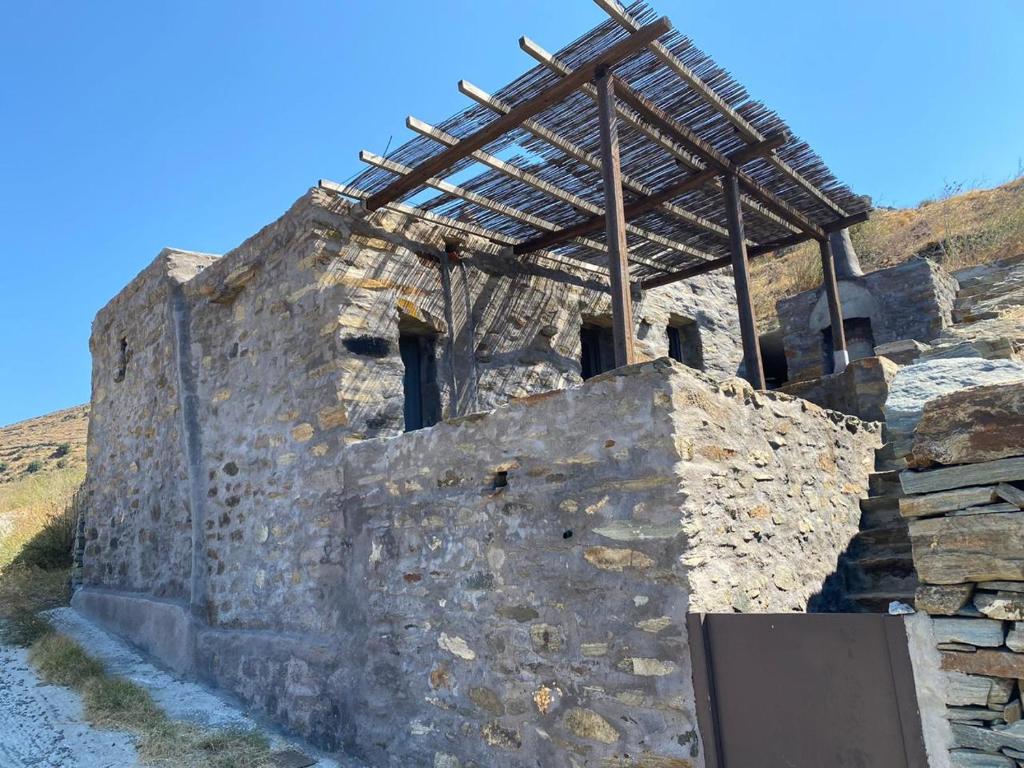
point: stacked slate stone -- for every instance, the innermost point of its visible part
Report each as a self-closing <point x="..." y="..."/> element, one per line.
<point x="965" y="502"/>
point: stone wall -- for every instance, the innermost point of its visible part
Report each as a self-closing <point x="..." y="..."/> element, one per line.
<point x="861" y="390"/>
<point x="966" y="515"/>
<point x="138" y="533"/>
<point x="913" y="300"/>
<point x="245" y="372"/>
<point x="512" y="587"/>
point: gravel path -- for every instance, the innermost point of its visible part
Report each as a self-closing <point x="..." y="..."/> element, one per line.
<point x="41" y="725"/>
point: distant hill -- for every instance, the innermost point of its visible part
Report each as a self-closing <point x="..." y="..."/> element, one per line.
<point x="959" y="230"/>
<point x="44" y="444"/>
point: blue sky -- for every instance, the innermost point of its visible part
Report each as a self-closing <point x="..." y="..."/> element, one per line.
<point x="129" y="126"/>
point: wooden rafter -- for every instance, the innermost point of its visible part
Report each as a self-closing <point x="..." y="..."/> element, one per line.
<point x="455" y="190"/>
<point x="752" y="253"/>
<point x="743" y="127"/>
<point x="502" y="125"/>
<point x="707" y="152"/>
<point x="645" y="204"/>
<point x="579" y="154"/>
<point x="681" y="154"/>
<point x="355" y="193"/>
<point x="519" y="174"/>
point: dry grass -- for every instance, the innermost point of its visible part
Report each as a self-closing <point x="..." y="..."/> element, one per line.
<point x="24" y="592"/>
<point x="959" y="230"/>
<point x="53" y="441"/>
<point x="113" y="702"/>
<point x="61" y="661"/>
<point x="36" y="506"/>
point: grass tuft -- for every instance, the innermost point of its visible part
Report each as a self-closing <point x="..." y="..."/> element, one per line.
<point x="61" y="661"/>
<point x="34" y="503"/>
<point x="24" y="592"/>
<point x="113" y="702"/>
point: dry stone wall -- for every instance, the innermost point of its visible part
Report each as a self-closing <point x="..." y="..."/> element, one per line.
<point x="513" y="586"/>
<point x="967" y="531"/>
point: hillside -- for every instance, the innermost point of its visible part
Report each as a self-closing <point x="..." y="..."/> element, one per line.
<point x="45" y="443"/>
<point x="42" y="462"/>
<point x="959" y="230"/>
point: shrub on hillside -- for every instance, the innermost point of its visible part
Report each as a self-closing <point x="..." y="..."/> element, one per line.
<point x="62" y="450"/>
<point x="51" y="547"/>
<point x="34" y="466"/>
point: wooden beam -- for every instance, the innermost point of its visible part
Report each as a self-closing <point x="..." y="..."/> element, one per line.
<point x="553" y="190"/>
<point x="576" y="152"/>
<point x="685" y="274"/>
<point x="840" y="355"/>
<point x="650" y="202"/>
<point x="668" y="125"/>
<point x="698" y="86"/>
<point x="666" y="143"/>
<point x="615" y="224"/>
<point x="477" y="199"/>
<point x="499" y="127"/>
<point x="752" y="365"/>
<point x="802" y="237"/>
<point x="752" y="253"/>
<point x="498" y="238"/>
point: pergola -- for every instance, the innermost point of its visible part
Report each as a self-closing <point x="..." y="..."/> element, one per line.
<point x="628" y="149"/>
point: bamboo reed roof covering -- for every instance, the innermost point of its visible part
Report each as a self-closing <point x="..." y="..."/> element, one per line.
<point x="676" y="109"/>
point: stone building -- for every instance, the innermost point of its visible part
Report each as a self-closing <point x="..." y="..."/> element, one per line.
<point x="912" y="301"/>
<point x="439" y="483"/>
<point x="247" y="522"/>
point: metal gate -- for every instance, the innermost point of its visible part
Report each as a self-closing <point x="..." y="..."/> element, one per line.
<point x="805" y="691"/>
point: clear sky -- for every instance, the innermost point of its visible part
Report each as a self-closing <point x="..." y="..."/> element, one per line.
<point x="129" y="126"/>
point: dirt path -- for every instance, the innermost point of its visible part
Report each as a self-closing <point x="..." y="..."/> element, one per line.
<point x="41" y="725"/>
<point x="180" y="699"/>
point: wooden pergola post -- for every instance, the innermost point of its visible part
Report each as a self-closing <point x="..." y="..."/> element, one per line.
<point x="615" y="222"/>
<point x="738" y="251"/>
<point x="840" y="355"/>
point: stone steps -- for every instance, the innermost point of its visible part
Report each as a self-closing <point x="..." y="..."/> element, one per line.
<point x="878" y="602"/>
<point x="878" y="566"/>
<point x="885" y="483"/>
<point x="879" y="511"/>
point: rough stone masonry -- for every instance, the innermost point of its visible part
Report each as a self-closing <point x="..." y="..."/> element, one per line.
<point x="507" y="587"/>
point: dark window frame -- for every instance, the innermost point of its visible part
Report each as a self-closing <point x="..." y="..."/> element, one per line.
<point x="597" y="349"/>
<point x="684" y="342"/>
<point x="422" y="396"/>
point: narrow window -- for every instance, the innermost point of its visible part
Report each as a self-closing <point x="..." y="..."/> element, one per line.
<point x="684" y="343"/>
<point x="422" y="398"/>
<point x="597" y="349"/>
<point x="122" y="360"/>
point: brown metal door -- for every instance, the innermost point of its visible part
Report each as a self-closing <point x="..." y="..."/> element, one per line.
<point x="805" y="691"/>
